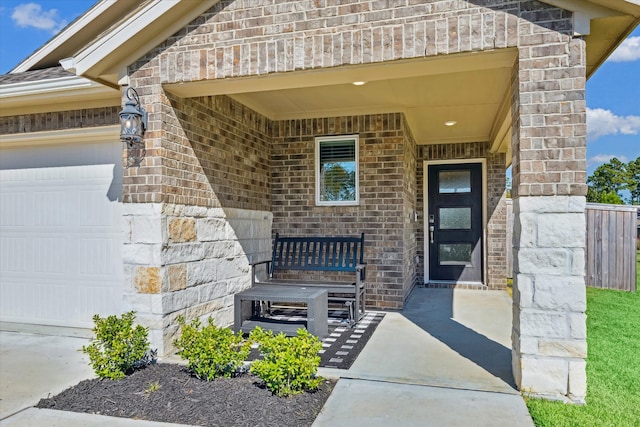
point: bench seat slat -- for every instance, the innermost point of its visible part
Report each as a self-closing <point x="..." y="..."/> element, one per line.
<point x="331" y="287"/>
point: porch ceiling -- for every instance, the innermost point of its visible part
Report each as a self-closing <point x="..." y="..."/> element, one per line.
<point x="470" y="89"/>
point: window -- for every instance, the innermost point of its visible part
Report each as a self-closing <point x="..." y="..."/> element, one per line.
<point x="337" y="170"/>
<point x="456" y="181"/>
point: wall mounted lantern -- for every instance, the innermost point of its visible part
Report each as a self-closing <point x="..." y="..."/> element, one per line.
<point x="133" y="122"/>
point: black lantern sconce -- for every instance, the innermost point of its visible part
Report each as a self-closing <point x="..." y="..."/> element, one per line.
<point x="133" y="122"/>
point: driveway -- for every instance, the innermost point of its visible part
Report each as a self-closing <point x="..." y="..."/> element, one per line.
<point x="35" y="366"/>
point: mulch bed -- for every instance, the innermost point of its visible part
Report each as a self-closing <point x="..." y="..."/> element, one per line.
<point x="182" y="398"/>
<point x="240" y="401"/>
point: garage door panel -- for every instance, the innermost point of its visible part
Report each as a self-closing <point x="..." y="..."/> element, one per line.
<point x="50" y="302"/>
<point x="57" y="302"/>
<point x="95" y="257"/>
<point x="12" y="255"/>
<point x="93" y="211"/>
<point x="47" y="301"/>
<point x="50" y="255"/>
<point x="61" y="226"/>
<point x="13" y="208"/>
<point x="95" y="300"/>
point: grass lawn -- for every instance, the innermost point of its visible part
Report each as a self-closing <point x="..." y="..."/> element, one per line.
<point x="613" y="366"/>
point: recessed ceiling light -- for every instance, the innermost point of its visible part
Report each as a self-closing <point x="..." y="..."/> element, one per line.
<point x="359" y="83"/>
<point x="450" y="123"/>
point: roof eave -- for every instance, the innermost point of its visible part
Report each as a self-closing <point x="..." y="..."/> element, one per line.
<point x="104" y="58"/>
<point x="586" y="12"/>
<point x="99" y="17"/>
<point x="63" y="93"/>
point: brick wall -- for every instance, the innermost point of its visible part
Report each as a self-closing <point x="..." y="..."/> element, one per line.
<point x="409" y="199"/>
<point x="549" y="152"/>
<point x="225" y="142"/>
<point x="85" y="118"/>
<point x="496" y="232"/>
<point x="242" y="38"/>
<point x="381" y="213"/>
<point x="214" y="152"/>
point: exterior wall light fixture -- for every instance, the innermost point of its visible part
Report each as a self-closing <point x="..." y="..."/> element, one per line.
<point x="133" y="122"/>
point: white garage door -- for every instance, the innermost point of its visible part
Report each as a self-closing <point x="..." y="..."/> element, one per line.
<point x="60" y="228"/>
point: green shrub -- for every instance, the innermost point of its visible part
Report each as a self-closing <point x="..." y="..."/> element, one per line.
<point x="211" y="351"/>
<point x="290" y="364"/>
<point x="118" y="347"/>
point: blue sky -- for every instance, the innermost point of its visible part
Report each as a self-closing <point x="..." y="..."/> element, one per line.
<point x="613" y="92"/>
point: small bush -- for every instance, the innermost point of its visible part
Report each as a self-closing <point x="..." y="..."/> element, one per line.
<point x="290" y="364"/>
<point x="210" y="351"/>
<point x="118" y="348"/>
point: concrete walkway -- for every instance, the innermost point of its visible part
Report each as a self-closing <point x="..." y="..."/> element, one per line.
<point x="444" y="361"/>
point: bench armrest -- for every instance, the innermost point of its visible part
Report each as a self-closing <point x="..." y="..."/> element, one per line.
<point x="362" y="270"/>
<point x="253" y="269"/>
<point x="254" y="263"/>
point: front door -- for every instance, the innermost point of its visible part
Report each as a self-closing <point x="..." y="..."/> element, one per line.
<point x="454" y="222"/>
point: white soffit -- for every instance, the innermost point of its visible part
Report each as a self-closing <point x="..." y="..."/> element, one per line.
<point x="598" y="8"/>
<point x="63" y="93"/>
<point x="64" y="136"/>
<point x="471" y="88"/>
<point x="59" y="84"/>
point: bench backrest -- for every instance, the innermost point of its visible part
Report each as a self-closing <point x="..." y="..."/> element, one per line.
<point x="317" y="253"/>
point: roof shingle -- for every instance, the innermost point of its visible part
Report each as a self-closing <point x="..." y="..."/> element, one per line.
<point x="35" y="75"/>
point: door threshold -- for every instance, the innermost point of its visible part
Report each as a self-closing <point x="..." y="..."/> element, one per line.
<point x="452" y="284"/>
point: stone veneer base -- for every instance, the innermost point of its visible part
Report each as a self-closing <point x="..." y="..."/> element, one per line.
<point x="188" y="261"/>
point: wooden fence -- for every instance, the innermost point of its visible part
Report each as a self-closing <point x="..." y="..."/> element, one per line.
<point x="611" y="246"/>
<point x="610" y="256"/>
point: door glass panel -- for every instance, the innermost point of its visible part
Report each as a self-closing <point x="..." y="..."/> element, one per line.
<point x="454" y="253"/>
<point x="458" y="181"/>
<point x="455" y="218"/>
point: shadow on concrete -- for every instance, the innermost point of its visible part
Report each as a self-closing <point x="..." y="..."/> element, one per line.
<point x="434" y="311"/>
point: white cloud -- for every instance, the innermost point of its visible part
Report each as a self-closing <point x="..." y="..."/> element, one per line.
<point x="31" y="15"/>
<point x="604" y="158"/>
<point x="601" y="122"/>
<point x="629" y="50"/>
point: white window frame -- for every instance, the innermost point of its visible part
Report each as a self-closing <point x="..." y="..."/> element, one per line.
<point x="319" y="141"/>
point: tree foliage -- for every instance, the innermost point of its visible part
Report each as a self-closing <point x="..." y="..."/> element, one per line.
<point x="611" y="179"/>
<point x="339" y="182"/>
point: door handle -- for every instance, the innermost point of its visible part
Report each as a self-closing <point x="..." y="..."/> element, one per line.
<point x="431" y="229"/>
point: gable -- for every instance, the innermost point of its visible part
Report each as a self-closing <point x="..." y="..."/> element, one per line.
<point x="112" y="35"/>
<point x="228" y="47"/>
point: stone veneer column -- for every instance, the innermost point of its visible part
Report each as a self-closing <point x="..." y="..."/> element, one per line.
<point x="549" y="322"/>
<point x="188" y="261"/>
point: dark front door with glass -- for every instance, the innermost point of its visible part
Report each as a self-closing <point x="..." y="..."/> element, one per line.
<point x="454" y="222"/>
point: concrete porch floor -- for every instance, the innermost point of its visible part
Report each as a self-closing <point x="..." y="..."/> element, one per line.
<point x="445" y="360"/>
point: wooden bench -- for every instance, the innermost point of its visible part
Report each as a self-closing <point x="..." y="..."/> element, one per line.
<point x="339" y="257"/>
